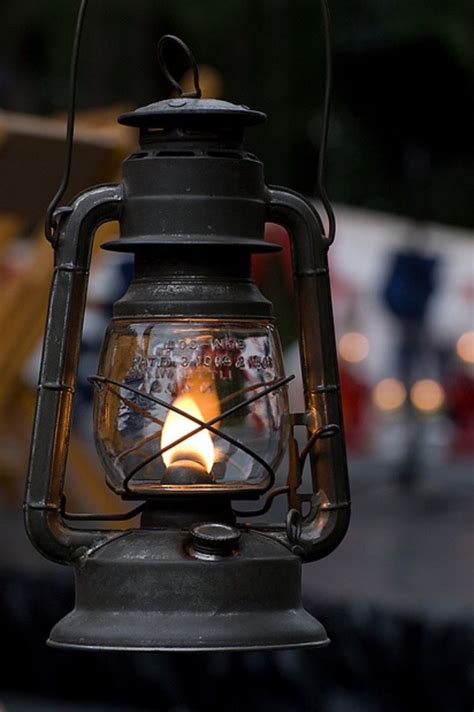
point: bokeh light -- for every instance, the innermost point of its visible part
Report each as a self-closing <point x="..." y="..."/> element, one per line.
<point x="354" y="347"/>
<point x="465" y="347"/>
<point x="427" y="395"/>
<point x="389" y="394"/>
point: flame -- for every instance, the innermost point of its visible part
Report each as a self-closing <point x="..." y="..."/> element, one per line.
<point x="198" y="447"/>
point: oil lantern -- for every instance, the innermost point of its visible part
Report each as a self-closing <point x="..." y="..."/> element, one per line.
<point x="191" y="414"/>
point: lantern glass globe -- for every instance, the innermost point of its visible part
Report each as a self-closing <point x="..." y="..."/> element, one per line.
<point x="202" y="369"/>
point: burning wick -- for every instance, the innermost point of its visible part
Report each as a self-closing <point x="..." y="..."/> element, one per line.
<point x="191" y="461"/>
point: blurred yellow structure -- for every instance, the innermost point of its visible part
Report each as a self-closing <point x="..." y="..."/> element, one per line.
<point x="31" y="155"/>
<point x="211" y="82"/>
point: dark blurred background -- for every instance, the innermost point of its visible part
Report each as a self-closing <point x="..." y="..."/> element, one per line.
<point x="402" y="115"/>
<point x="396" y="597"/>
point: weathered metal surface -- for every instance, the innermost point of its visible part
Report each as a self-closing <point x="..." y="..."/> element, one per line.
<point x="192" y="207"/>
<point x="45" y="484"/>
<point x="325" y="526"/>
<point x="144" y="592"/>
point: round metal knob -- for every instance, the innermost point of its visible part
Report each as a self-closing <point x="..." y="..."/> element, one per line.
<point x="212" y="539"/>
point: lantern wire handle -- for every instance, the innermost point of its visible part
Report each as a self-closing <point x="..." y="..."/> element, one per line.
<point x="49" y="227"/>
<point x="196" y="94"/>
<point x="49" y="222"/>
<point x="325" y="125"/>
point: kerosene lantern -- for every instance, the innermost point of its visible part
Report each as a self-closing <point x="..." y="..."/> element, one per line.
<point x="191" y="411"/>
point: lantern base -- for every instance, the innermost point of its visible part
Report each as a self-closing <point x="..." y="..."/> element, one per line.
<point x="144" y="592"/>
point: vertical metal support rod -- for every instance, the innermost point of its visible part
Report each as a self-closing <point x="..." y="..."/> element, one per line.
<point x="52" y="424"/>
<point x="325" y="527"/>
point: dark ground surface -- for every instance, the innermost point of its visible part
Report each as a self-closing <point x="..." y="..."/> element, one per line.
<point x="396" y="598"/>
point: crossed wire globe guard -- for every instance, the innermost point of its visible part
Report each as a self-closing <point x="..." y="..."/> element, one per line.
<point x="101" y="381"/>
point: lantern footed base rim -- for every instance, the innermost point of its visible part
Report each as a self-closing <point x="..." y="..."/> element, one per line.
<point x="192" y="633"/>
<point x="217" y="649"/>
<point x="144" y="591"/>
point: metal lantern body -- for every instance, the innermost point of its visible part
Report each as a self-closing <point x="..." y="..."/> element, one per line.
<point x="191" y="410"/>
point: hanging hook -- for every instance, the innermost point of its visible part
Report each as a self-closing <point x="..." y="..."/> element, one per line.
<point x="196" y="94"/>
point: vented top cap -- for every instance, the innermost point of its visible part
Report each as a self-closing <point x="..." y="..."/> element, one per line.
<point x="191" y="112"/>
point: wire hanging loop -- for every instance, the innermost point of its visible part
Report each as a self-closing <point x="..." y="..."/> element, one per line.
<point x="52" y="213"/>
<point x="331" y="232"/>
<point x="196" y="94"/>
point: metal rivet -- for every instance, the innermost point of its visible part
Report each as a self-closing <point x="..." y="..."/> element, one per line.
<point x="176" y="103"/>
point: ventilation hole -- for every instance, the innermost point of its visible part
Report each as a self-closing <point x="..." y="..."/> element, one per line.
<point x="225" y="154"/>
<point x="141" y="154"/>
<point x="193" y="132"/>
<point x="175" y="153"/>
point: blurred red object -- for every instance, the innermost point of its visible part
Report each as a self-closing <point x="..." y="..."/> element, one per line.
<point x="340" y="288"/>
<point x="278" y="235"/>
<point x="355" y="405"/>
<point x="460" y="407"/>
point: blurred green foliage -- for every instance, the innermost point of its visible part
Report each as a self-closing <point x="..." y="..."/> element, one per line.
<point x="400" y="137"/>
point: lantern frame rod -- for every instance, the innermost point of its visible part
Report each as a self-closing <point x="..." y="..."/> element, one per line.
<point x="52" y="424"/>
<point x="276" y="492"/>
<point x="99" y="516"/>
<point x="324" y="527"/>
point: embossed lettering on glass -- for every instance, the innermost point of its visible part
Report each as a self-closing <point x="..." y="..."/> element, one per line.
<point x="206" y="370"/>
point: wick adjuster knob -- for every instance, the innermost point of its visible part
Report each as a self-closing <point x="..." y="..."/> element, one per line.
<point x="213" y="540"/>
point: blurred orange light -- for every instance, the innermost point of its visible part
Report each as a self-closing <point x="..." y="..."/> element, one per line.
<point x="389" y="394"/>
<point x="427" y="395"/>
<point x="354" y="347"/>
<point x="465" y="347"/>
